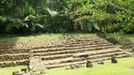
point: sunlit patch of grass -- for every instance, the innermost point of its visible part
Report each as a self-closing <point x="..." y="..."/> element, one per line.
<point x="122" y="35"/>
<point x="122" y="68"/>
<point x="42" y="36"/>
<point x="9" y="70"/>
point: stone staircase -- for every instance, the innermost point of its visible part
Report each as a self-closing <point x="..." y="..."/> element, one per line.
<point x="68" y="53"/>
<point x="59" y="53"/>
<point x="17" y="52"/>
<point x="10" y="57"/>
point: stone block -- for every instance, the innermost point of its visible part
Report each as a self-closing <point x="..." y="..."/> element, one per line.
<point x="18" y="73"/>
<point x="36" y="66"/>
<point x="89" y="64"/>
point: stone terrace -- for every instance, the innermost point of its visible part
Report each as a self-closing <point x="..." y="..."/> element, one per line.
<point x="58" y="53"/>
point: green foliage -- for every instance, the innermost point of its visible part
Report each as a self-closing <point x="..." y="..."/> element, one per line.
<point x="54" y="16"/>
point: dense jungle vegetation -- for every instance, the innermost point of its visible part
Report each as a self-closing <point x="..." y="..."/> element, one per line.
<point x="65" y="16"/>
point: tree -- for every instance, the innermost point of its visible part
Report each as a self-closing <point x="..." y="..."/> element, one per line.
<point x="54" y="16"/>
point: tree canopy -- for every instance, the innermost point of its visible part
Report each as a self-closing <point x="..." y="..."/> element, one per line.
<point x="60" y="16"/>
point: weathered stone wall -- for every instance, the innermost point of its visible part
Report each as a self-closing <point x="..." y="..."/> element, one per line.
<point x="17" y="52"/>
<point x="27" y="44"/>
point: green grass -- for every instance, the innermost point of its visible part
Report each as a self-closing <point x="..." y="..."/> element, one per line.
<point x="122" y="68"/>
<point x="121" y="35"/>
<point x="9" y="70"/>
<point x="130" y="36"/>
<point x="42" y="36"/>
<point x="56" y="36"/>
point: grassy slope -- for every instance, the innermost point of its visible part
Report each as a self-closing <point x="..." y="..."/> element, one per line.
<point x="56" y="36"/>
<point x="42" y="36"/>
<point x="122" y="68"/>
<point x="131" y="37"/>
<point x="121" y="35"/>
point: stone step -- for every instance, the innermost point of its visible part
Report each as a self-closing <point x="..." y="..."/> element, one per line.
<point x="102" y="51"/>
<point x="92" y="41"/>
<point x="74" y="45"/>
<point x="64" y="64"/>
<point x="13" y="57"/>
<point x="70" y="59"/>
<point x="83" y="38"/>
<point x="56" y="61"/>
<point x="122" y="55"/>
<point x="80" y="62"/>
<point x="14" y="54"/>
<point x="102" y="57"/>
<point x="67" y="48"/>
<point x="70" y="51"/>
<point x="108" y="58"/>
<point x="70" y="40"/>
<point x="52" y="57"/>
<point x="55" y="56"/>
<point x="94" y="56"/>
<point x="12" y="51"/>
<point x="11" y="63"/>
<point x="106" y="55"/>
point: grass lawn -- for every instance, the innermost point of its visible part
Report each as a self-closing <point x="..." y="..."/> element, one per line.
<point x="130" y="36"/>
<point x="124" y="67"/>
<point x="121" y="35"/>
<point x="56" y="36"/>
<point x="43" y="36"/>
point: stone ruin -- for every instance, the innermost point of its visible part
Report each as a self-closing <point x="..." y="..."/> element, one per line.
<point x="73" y="66"/>
<point x="18" y="73"/>
<point x="113" y="59"/>
<point x="89" y="64"/>
<point x="36" y="66"/>
<point x="57" y="52"/>
<point x="101" y="62"/>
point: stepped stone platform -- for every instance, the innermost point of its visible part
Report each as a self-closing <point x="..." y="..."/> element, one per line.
<point x="59" y="52"/>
